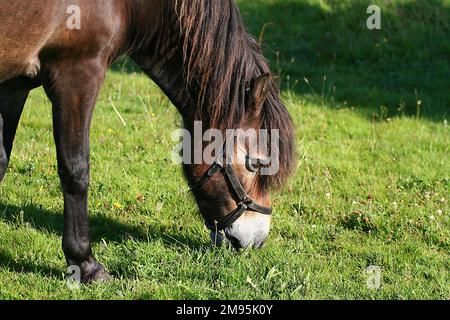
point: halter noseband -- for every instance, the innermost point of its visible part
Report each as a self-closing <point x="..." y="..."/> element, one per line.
<point x="245" y="202"/>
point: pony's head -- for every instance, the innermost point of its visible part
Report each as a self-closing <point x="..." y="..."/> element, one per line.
<point x="235" y="95"/>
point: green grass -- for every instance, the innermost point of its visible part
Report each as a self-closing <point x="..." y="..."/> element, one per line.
<point x="372" y="186"/>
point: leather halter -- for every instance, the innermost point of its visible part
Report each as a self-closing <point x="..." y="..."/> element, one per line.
<point x="245" y="202"/>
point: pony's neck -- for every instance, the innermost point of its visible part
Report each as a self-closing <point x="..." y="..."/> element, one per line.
<point x="156" y="48"/>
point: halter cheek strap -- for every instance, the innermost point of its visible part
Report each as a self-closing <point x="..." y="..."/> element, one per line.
<point x="245" y="202"/>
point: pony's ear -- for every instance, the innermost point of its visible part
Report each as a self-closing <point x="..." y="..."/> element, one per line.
<point x="259" y="92"/>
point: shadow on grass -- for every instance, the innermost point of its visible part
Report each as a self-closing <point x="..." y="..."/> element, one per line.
<point x="101" y="227"/>
<point x="8" y="262"/>
<point x="402" y="69"/>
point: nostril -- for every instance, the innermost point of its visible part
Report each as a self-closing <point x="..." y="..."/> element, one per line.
<point x="260" y="239"/>
<point x="260" y="244"/>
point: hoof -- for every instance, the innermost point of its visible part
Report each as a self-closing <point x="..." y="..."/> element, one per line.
<point x="94" y="272"/>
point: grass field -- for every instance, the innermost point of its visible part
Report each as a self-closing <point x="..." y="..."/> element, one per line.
<point x="371" y="110"/>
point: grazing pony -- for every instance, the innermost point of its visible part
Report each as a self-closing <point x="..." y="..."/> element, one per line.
<point x="197" y="51"/>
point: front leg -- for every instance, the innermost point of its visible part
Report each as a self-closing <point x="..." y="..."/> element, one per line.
<point x="13" y="95"/>
<point x="73" y="88"/>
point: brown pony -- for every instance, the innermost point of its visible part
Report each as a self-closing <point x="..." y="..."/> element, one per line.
<point x="199" y="54"/>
